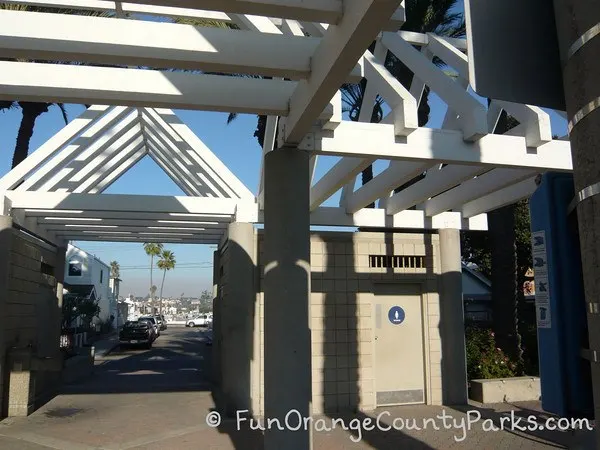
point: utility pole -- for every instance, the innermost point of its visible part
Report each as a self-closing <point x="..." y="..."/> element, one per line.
<point x="578" y="27"/>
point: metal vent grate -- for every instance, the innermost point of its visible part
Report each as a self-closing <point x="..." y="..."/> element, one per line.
<point x="397" y="261"/>
<point x="400" y="397"/>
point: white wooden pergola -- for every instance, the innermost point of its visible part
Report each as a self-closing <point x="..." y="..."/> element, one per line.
<point x="136" y="66"/>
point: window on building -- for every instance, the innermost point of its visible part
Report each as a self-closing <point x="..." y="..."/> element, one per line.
<point x="101" y="275"/>
<point x="74" y="268"/>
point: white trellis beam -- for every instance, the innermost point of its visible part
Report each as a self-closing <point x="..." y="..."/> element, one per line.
<point x="215" y="164"/>
<point x="437" y="180"/>
<point x="60" y="229"/>
<point x="136" y="237"/>
<point x="143" y="222"/>
<point x="397" y="174"/>
<point x="498" y="199"/>
<point x="111" y="165"/>
<point x="177" y="178"/>
<point x="133" y="87"/>
<point x="109" y="177"/>
<point x="172" y="156"/>
<point x="473" y="113"/>
<point x="399" y="99"/>
<point x="474" y="188"/>
<point x="343" y="172"/>
<point x="375" y="217"/>
<point x="328" y="11"/>
<point x="151" y="8"/>
<point x="61" y="37"/>
<point x="333" y="60"/>
<point x="127" y="8"/>
<point x="423" y="40"/>
<point x="169" y="168"/>
<point x="268" y="145"/>
<point x="120" y="202"/>
<point x="40" y="174"/>
<point x="534" y="125"/>
<point x="437" y="146"/>
<point x="107" y="160"/>
<point x="534" y="122"/>
<point x="51" y="147"/>
<point x="194" y="155"/>
<point x="366" y="110"/>
<point x="90" y="160"/>
<point x="82" y="155"/>
<point x="98" y="217"/>
<point x="255" y="23"/>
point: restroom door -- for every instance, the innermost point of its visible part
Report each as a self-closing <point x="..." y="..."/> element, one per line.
<point x="399" y="357"/>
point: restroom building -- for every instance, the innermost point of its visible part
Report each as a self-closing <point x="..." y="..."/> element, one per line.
<point x="383" y="307"/>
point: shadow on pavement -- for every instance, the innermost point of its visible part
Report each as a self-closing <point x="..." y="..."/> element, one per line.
<point x="177" y="365"/>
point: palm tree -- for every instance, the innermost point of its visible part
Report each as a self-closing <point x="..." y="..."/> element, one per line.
<point x="33" y="110"/>
<point x="152" y="250"/>
<point x="115" y="269"/>
<point x="166" y="262"/>
<point x="422" y="16"/>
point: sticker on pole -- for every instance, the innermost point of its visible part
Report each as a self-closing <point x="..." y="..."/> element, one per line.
<point x="396" y="315"/>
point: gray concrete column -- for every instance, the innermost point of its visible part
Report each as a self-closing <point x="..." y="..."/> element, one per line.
<point x="237" y="318"/>
<point x="216" y="325"/>
<point x="287" y="347"/>
<point x="452" y="328"/>
<point x="59" y="274"/>
<point x="579" y="50"/>
<point x="5" y="249"/>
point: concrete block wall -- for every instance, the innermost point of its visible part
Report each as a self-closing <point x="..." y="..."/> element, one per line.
<point x="30" y="322"/>
<point x="342" y="284"/>
<point x="236" y="320"/>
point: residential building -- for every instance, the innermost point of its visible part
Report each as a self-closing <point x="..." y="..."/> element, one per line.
<point x="477" y="295"/>
<point x="87" y="274"/>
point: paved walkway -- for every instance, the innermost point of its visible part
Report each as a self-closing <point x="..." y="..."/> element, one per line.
<point x="105" y="345"/>
<point x="159" y="399"/>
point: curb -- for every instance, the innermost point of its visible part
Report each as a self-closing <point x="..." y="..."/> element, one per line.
<point x="105" y="352"/>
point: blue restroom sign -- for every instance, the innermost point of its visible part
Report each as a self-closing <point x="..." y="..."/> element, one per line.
<point x="396" y="315"/>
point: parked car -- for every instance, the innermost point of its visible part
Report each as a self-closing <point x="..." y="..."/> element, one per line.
<point x="153" y="328"/>
<point x="162" y="323"/>
<point x="154" y="322"/>
<point x="199" y="321"/>
<point x="137" y="333"/>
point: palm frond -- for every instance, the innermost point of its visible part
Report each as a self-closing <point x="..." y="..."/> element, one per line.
<point x="63" y="111"/>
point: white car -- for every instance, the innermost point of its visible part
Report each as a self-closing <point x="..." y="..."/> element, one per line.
<point x="202" y="320"/>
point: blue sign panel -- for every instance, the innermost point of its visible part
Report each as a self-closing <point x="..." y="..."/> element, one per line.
<point x="396" y="315"/>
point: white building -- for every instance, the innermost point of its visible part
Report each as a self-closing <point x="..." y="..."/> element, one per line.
<point x="85" y="272"/>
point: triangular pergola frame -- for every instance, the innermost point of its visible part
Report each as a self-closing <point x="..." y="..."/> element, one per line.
<point x="58" y="191"/>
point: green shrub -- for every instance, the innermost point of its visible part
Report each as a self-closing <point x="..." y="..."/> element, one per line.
<point x="484" y="359"/>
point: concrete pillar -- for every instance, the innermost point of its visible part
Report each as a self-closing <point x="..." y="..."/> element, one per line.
<point x="237" y="319"/>
<point x="59" y="275"/>
<point x="452" y="328"/>
<point x="579" y="47"/>
<point x="287" y="347"/>
<point x="21" y="388"/>
<point x="216" y="325"/>
<point x="5" y="249"/>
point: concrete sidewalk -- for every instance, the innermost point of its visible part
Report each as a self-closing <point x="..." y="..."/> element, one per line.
<point x="106" y="345"/>
<point x="161" y="399"/>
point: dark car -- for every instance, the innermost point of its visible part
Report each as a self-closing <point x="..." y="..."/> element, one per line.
<point x="153" y="326"/>
<point x="154" y="321"/>
<point x="162" y="323"/>
<point x="137" y="333"/>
